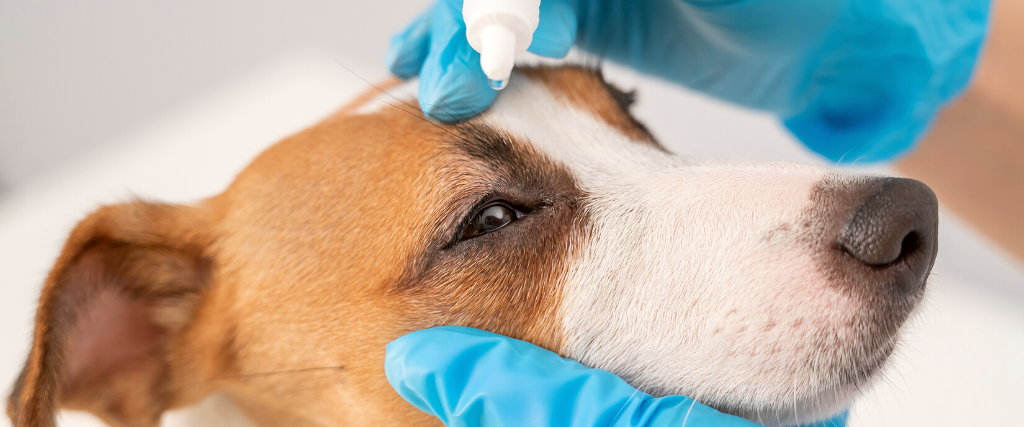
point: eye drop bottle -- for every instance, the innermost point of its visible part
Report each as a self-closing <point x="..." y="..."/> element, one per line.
<point x="499" y="30"/>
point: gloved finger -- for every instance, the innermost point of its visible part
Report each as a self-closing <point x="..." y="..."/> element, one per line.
<point x="453" y="87"/>
<point x="472" y="378"/>
<point x="556" y="30"/>
<point x="409" y="47"/>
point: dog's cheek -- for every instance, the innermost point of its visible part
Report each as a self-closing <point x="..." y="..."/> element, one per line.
<point x="508" y="282"/>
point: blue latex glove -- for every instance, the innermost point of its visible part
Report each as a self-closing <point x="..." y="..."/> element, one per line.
<point x="472" y="378"/>
<point x="852" y="79"/>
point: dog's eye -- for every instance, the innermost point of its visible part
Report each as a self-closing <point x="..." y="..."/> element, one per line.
<point x="490" y="218"/>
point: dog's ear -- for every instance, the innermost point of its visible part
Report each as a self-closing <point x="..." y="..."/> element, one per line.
<point x="129" y="279"/>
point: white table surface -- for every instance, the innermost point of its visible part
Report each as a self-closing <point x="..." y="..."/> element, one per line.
<point x="962" y="362"/>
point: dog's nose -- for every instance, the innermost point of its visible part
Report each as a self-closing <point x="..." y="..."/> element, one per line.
<point x="895" y="225"/>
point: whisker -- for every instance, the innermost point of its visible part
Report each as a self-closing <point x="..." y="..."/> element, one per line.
<point x="319" y="386"/>
<point x="379" y="89"/>
<point x="835" y="395"/>
<point x="449" y="111"/>
<point x="838" y="162"/>
<point x="269" y="373"/>
<point x="179" y="386"/>
<point x="834" y="423"/>
<point x="420" y="117"/>
<point x="687" y="416"/>
<point x="625" y="404"/>
<point x="463" y="118"/>
<point x="375" y="86"/>
<point x="475" y="112"/>
<point x="796" y="412"/>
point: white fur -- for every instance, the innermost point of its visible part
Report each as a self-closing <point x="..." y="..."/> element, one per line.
<point x="682" y="276"/>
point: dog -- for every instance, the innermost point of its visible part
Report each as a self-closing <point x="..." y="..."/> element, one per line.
<point x="771" y="291"/>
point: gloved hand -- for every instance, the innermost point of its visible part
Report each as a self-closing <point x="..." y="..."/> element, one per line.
<point x="852" y="79"/>
<point x="472" y="378"/>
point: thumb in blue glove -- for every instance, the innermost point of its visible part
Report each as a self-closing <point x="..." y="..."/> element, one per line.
<point x="452" y="85"/>
<point x="472" y="378"/>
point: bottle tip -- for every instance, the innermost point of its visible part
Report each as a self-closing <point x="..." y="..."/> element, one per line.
<point x="497" y="54"/>
<point x="498" y="84"/>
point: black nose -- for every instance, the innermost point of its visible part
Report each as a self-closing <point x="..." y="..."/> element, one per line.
<point x="897" y="224"/>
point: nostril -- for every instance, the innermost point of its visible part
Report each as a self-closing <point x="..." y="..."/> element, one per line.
<point x="894" y="223"/>
<point x="911" y="243"/>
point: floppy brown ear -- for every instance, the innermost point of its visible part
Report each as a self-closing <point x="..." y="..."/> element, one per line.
<point x="129" y="279"/>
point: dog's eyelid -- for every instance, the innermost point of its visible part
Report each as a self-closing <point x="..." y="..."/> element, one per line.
<point x="465" y="230"/>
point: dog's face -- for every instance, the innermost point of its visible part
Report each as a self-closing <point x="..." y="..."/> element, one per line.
<point x="771" y="291"/>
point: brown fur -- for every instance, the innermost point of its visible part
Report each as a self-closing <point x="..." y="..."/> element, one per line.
<point x="284" y="290"/>
<point x="137" y="251"/>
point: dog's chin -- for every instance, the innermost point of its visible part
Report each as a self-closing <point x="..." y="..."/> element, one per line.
<point x="802" y="413"/>
<point x="808" y="403"/>
<point x="793" y="411"/>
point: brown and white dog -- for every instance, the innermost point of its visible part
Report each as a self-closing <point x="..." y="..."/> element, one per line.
<point x="771" y="291"/>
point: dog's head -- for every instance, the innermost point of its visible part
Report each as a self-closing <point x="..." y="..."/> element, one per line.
<point x="772" y="291"/>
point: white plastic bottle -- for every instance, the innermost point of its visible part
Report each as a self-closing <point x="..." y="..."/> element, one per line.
<point x="500" y="30"/>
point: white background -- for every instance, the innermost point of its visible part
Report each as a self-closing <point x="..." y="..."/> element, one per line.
<point x="74" y="74"/>
<point x="210" y="95"/>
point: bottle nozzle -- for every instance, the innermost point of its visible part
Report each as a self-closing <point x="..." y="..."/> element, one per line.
<point x="497" y="52"/>
<point x="500" y="30"/>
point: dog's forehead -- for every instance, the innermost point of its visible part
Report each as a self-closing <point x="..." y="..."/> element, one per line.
<point x="574" y="117"/>
<point x="586" y="90"/>
<point x="571" y="108"/>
